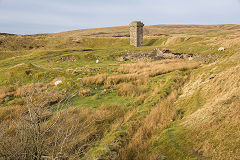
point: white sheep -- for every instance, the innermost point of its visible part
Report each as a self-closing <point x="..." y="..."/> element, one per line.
<point x="97" y="61"/>
<point x="58" y="82"/>
<point x="221" y="49"/>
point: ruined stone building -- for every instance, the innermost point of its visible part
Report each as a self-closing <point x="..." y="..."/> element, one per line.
<point x="136" y="33"/>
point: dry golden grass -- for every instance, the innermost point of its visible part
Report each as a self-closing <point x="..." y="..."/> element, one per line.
<point x="215" y="132"/>
<point x="11" y="112"/>
<point x="112" y="79"/>
<point x="139" y="73"/>
<point x="84" y="92"/>
<point x="127" y="89"/>
<point x="116" y="79"/>
<point x="23" y="91"/>
<point x="226" y="42"/>
<point x="98" y="79"/>
<point x="213" y="129"/>
<point x="158" y="67"/>
<point x="141" y="99"/>
<point x="6" y="91"/>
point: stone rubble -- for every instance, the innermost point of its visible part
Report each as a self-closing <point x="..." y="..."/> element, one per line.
<point x="157" y="54"/>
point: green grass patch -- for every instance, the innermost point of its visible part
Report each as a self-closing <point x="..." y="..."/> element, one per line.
<point x="171" y="145"/>
<point x="97" y="99"/>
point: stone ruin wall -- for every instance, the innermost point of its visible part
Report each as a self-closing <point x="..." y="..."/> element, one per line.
<point x="136" y="33"/>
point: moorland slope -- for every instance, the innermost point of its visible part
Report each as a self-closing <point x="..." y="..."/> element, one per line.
<point x="175" y="98"/>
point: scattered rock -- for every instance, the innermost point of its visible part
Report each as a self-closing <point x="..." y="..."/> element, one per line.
<point x="221" y="49"/>
<point x="157" y="54"/>
<point x="58" y="82"/>
<point x="69" y="58"/>
<point x="88" y="69"/>
<point x="190" y="58"/>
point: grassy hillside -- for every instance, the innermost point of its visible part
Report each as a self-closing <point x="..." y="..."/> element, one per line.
<point x="175" y="98"/>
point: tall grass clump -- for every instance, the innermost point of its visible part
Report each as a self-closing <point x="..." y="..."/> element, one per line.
<point x="131" y="90"/>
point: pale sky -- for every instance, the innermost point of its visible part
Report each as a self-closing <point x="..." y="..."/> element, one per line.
<point x="48" y="16"/>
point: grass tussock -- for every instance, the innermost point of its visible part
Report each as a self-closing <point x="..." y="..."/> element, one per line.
<point x="6" y="91"/>
<point x="114" y="79"/>
<point x="11" y="112"/>
<point x="84" y="92"/>
<point x="139" y="73"/>
<point x="157" y="68"/>
<point x="130" y="90"/>
<point x="98" y="79"/>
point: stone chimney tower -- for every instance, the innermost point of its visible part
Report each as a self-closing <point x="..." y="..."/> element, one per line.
<point x="136" y="33"/>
